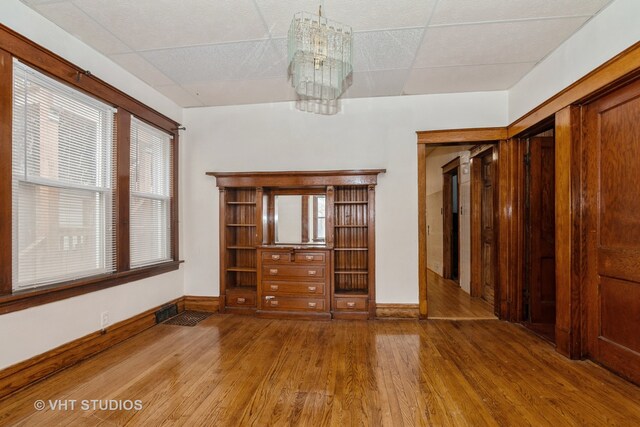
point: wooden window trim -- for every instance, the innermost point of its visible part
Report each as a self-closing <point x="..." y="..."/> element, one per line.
<point x="14" y="45"/>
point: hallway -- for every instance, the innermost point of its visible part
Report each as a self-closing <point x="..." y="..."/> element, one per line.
<point x="446" y="300"/>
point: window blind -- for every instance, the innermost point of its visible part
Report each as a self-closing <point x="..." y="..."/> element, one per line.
<point x="151" y="180"/>
<point x="63" y="171"/>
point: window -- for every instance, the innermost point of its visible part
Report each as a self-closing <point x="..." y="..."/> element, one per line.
<point x="150" y="204"/>
<point x="62" y="143"/>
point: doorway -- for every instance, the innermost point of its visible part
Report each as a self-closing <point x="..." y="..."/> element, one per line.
<point x="539" y="287"/>
<point x="451" y="220"/>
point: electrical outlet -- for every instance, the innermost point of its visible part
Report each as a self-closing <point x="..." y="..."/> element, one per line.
<point x="104" y="319"/>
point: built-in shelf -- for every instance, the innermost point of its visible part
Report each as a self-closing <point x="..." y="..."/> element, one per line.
<point x="241" y="247"/>
<point x="351" y="272"/>
<point x="350" y="249"/>
<point x="353" y="202"/>
<point x="351" y="226"/>
<point x="241" y="203"/>
<point x="242" y="269"/>
<point x="241" y="225"/>
<point x="353" y="293"/>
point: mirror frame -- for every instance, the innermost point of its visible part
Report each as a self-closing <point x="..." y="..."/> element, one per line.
<point x="269" y="236"/>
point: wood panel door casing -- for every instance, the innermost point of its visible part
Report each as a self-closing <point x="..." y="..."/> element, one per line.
<point x="611" y="133"/>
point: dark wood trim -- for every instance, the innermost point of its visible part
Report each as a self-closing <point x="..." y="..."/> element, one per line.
<point x="422" y="230"/>
<point x="6" y="179"/>
<point x="371" y="244"/>
<point x="613" y="73"/>
<point x="569" y="244"/>
<point x="453" y="164"/>
<point x="481" y="149"/>
<point x="123" y="190"/>
<point x="222" y="222"/>
<point x="297" y="178"/>
<point x="447" y="225"/>
<point x="202" y="303"/>
<point x="175" y="196"/>
<point x="32" y="298"/>
<point x="46" y="364"/>
<point x="59" y="68"/>
<point x="397" y="311"/>
<point x="470" y="135"/>
<point x="304" y="218"/>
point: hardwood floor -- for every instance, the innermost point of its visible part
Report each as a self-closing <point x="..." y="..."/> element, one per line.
<point x="233" y="370"/>
<point x="446" y="300"/>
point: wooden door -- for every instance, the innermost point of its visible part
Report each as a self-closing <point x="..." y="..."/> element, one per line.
<point x="542" y="273"/>
<point x="488" y="223"/>
<point x="611" y="140"/>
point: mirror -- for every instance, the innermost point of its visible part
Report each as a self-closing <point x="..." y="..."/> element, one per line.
<point x="300" y="219"/>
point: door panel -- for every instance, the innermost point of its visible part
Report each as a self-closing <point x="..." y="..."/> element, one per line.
<point x="487" y="206"/>
<point x="612" y="210"/>
<point x="542" y="283"/>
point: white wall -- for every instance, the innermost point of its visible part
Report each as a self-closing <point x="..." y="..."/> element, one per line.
<point x="38" y="329"/>
<point x="610" y="32"/>
<point x="368" y="133"/>
<point x="435" y="160"/>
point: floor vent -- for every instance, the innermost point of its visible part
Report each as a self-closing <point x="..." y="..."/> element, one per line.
<point x="188" y="318"/>
<point x="166" y="312"/>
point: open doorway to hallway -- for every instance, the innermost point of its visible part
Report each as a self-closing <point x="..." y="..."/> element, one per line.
<point x="448" y="196"/>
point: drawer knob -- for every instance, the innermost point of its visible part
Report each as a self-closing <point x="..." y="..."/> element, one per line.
<point x="273" y="271"/>
<point x="312" y="272"/>
<point x="309" y="257"/>
<point x="351" y="304"/>
<point x="274" y="302"/>
<point x="241" y="300"/>
<point x="312" y="305"/>
<point x="312" y="288"/>
<point x="274" y="287"/>
<point x="275" y="257"/>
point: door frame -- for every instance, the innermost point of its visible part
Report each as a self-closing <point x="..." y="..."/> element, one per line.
<point x="447" y="223"/>
<point x="431" y="139"/>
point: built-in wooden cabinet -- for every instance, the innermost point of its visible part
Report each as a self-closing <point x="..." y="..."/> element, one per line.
<point x="331" y="274"/>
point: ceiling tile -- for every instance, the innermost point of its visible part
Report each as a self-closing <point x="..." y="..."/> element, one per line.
<point x="459" y="11"/>
<point x="180" y="96"/>
<point x="242" y="91"/>
<point x="154" y="24"/>
<point x="361" y="15"/>
<point x="33" y="2"/>
<point x="377" y="83"/>
<point x="232" y="61"/>
<point x="385" y="50"/>
<point x="465" y="78"/>
<point x="136" y="65"/>
<point x="76" y="22"/>
<point x="523" y="41"/>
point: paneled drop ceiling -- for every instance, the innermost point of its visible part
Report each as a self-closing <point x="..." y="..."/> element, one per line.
<point x="226" y="52"/>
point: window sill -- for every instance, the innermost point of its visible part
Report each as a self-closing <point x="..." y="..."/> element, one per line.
<point x="33" y="297"/>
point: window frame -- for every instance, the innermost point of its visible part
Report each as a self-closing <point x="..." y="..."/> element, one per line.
<point x="14" y="45"/>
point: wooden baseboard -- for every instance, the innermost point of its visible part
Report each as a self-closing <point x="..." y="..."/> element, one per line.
<point x="397" y="311"/>
<point x="197" y="303"/>
<point x="39" y="367"/>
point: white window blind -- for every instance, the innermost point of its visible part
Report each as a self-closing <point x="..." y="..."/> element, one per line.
<point x="150" y="217"/>
<point x="63" y="225"/>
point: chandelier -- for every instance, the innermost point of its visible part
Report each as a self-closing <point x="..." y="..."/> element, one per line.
<point x="320" y="65"/>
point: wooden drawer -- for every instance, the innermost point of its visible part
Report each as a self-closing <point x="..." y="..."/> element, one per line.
<point x="295" y="271"/>
<point x="298" y="288"/>
<point x="238" y="299"/>
<point x="293" y="304"/>
<point x="276" y="257"/>
<point x="310" y="257"/>
<point x="355" y="304"/>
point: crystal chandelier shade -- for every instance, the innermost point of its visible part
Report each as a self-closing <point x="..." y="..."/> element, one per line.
<point x="320" y="57"/>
